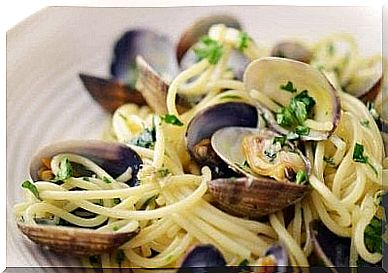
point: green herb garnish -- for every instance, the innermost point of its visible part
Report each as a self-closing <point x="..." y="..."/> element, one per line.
<point x="243" y="40"/>
<point x="372" y="235"/>
<point x="365" y="123"/>
<point x="86" y="179"/>
<point x="297" y="112"/>
<point x="116" y="201"/>
<point x="163" y="172"/>
<point x="106" y="180"/>
<point x="358" y="156"/>
<point x="289" y="87"/>
<point x="329" y="160"/>
<point x="65" y="170"/>
<point x="171" y="119"/>
<point x="302" y="130"/>
<point x="372" y="110"/>
<point x="146" y="139"/>
<point x="232" y="97"/>
<point x="32" y="188"/>
<point x="301" y="177"/>
<point x="123" y="117"/>
<point x="209" y="49"/>
<point x="244" y="262"/>
<point x="279" y="139"/>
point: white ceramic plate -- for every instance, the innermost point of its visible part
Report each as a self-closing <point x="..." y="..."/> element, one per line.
<point x="46" y="101"/>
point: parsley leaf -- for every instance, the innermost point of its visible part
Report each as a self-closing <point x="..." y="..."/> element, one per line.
<point x="301" y="177"/>
<point x="65" y="170"/>
<point x="171" y="119"/>
<point x="209" y="49"/>
<point x="358" y="156"/>
<point x="307" y="100"/>
<point x="302" y="130"/>
<point x="329" y="160"/>
<point x="244" y="262"/>
<point x="106" y="180"/>
<point x="365" y="123"/>
<point x="146" y="139"/>
<point x="31" y="187"/>
<point x="372" y="110"/>
<point x="372" y="235"/>
<point x="243" y="40"/>
<point x="285" y="117"/>
<point x="288" y="87"/>
<point x="279" y="139"/>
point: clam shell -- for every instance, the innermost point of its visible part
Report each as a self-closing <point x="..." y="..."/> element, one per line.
<point x="202" y="257"/>
<point x="154" y="89"/>
<point x="292" y="50"/>
<point x="113" y="157"/>
<point x="255" y="197"/>
<point x="75" y="241"/>
<point x="267" y="74"/>
<point x="109" y="93"/>
<point x="199" y="28"/>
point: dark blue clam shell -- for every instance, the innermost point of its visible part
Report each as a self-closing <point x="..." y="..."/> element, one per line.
<point x="155" y="48"/>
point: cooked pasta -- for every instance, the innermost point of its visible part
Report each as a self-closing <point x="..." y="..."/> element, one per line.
<point x="171" y="207"/>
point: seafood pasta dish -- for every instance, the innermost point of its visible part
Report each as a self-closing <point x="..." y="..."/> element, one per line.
<point x="222" y="151"/>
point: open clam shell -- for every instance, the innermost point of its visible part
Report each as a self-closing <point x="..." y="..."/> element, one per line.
<point x="207" y="122"/>
<point x="292" y="50"/>
<point x="154" y="88"/>
<point x="109" y="93"/>
<point x="115" y="158"/>
<point x="199" y="28"/>
<point x="185" y="48"/>
<point x="253" y="195"/>
<point x="268" y="75"/>
<point x="156" y="49"/>
<point x="75" y="241"/>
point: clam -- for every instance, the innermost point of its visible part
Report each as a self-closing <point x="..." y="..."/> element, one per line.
<point x="155" y="49"/>
<point x="292" y="50"/>
<point x="187" y="42"/>
<point x="303" y="100"/>
<point x="367" y="82"/>
<point x="274" y="173"/>
<point x="207" y="122"/>
<point x="115" y="159"/>
<point x="203" y="258"/>
<point x="207" y="258"/>
<point x="330" y="249"/>
<point x="200" y="28"/>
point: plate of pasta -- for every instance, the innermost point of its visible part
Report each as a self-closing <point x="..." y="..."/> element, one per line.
<point x="218" y="143"/>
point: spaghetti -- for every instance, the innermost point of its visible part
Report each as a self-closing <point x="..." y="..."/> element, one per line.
<point x="171" y="206"/>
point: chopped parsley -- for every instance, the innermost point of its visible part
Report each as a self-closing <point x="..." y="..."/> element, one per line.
<point x="106" y="180"/>
<point x="372" y="110"/>
<point x="123" y="117"/>
<point x="163" y="172"/>
<point x="372" y="236"/>
<point x="302" y="130"/>
<point x="301" y="177"/>
<point x="279" y="139"/>
<point x="146" y="139"/>
<point x="244" y="262"/>
<point x="116" y="201"/>
<point x="329" y="160"/>
<point x="171" y="119"/>
<point x="86" y="179"/>
<point x="358" y="156"/>
<point x="365" y="123"/>
<point x="115" y="228"/>
<point x="65" y="170"/>
<point x="31" y="187"/>
<point x="231" y="97"/>
<point x="297" y="112"/>
<point x="209" y="49"/>
<point x="288" y="87"/>
<point x="243" y="40"/>
<point x="330" y="49"/>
